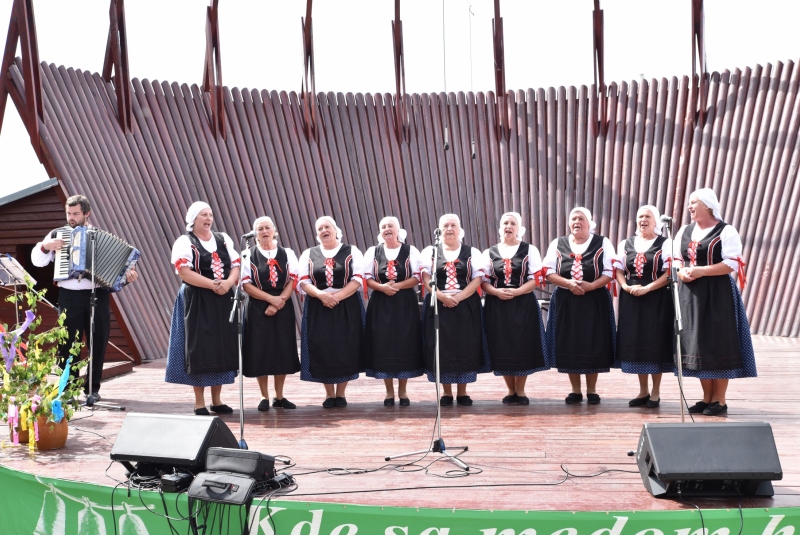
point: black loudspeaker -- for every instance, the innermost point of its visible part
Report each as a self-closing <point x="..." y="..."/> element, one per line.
<point x="715" y="459"/>
<point x="166" y="441"/>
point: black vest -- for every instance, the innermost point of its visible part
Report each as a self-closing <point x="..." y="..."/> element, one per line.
<point x="653" y="262"/>
<point x="259" y="269"/>
<point x="709" y="249"/>
<point x="402" y="264"/>
<point x="519" y="267"/>
<point x="463" y="266"/>
<point x="202" y="259"/>
<point x="591" y="258"/>
<point x="342" y="267"/>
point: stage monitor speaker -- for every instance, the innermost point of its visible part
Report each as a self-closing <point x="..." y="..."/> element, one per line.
<point x="165" y="441"/>
<point x="708" y="459"/>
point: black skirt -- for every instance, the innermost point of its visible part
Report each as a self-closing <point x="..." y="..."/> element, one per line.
<point x="393" y="334"/>
<point x="334" y="338"/>
<point x="460" y="336"/>
<point x="583" y="327"/>
<point x="513" y="334"/>
<point x="709" y="340"/>
<point x="645" y="328"/>
<point x="269" y="345"/>
<point x="211" y="344"/>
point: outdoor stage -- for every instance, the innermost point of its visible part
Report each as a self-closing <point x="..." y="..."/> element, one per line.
<point x="518" y="456"/>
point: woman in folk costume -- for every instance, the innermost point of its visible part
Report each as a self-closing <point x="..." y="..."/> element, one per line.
<point x="269" y="275"/>
<point x="580" y="321"/>
<point x="202" y="342"/>
<point x="715" y="341"/>
<point x="332" y="329"/>
<point x="459" y="272"/>
<point x="645" y="325"/>
<point x="513" y="319"/>
<point x="393" y="339"/>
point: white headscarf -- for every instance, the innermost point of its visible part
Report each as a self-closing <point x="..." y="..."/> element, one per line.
<point x="332" y="222"/>
<point x="401" y="233"/>
<point x="656" y="216"/>
<point x="709" y="198"/>
<point x="191" y="213"/>
<point x="520" y="229"/>
<point x="445" y="217"/>
<point x="264" y="218"/>
<point x="587" y="213"/>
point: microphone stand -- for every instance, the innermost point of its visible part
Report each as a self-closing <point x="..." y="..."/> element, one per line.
<point x="678" y="324"/>
<point x="238" y="315"/>
<point x="438" y="445"/>
<point x="90" y="401"/>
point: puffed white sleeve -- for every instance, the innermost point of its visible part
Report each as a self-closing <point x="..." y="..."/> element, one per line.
<point x="480" y="265"/>
<point x="676" y="244"/>
<point x="235" y="262"/>
<point x="550" y="260"/>
<point x="732" y="248"/>
<point x="608" y="258"/>
<point x="369" y="264"/>
<point x="303" y="276"/>
<point x="534" y="262"/>
<point x="182" y="253"/>
<point x="487" y="274"/>
<point x="293" y="265"/>
<point x="357" y="265"/>
<point x="426" y="260"/>
<point x="666" y="254"/>
<point x="247" y="270"/>
<point x="619" y="258"/>
<point x="416" y="263"/>
<point x="39" y="257"/>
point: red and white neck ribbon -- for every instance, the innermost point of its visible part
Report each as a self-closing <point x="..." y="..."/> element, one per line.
<point x="274" y="266"/>
<point x="692" y="252"/>
<point x="329" y="263"/>
<point x="216" y="267"/>
<point x="391" y="270"/>
<point x="638" y="264"/>
<point x="507" y="271"/>
<point x="451" y="282"/>
<point x="577" y="267"/>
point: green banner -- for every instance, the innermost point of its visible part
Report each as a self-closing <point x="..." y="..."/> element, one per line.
<point x="42" y="506"/>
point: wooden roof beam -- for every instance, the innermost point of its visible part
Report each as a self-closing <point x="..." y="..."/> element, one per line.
<point x="116" y="62"/>
<point x="499" y="72"/>
<point x="309" y="91"/>
<point x="699" y="80"/>
<point x="212" y="71"/>
<point x="22" y="31"/>
<point x="600" y="109"/>
<point x="400" y="104"/>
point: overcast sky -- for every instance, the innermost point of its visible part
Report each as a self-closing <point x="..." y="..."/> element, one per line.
<point x="547" y="43"/>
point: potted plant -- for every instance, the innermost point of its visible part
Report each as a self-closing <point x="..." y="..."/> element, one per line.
<point x="37" y="398"/>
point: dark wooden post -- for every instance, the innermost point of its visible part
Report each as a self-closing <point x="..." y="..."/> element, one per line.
<point x="699" y="80"/>
<point x="309" y="91"/>
<point x="400" y="104"/>
<point x="212" y="72"/>
<point x="116" y="62"/>
<point x="499" y="71"/>
<point x="600" y="109"/>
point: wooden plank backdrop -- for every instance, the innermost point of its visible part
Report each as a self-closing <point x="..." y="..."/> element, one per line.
<point x="357" y="171"/>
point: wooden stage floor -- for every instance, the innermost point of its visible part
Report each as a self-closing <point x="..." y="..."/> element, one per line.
<point x="516" y="452"/>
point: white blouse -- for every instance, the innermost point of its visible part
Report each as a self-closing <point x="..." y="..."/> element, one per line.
<point x="303" y="273"/>
<point x="731" y="245"/>
<point x="479" y="264"/>
<point x="182" y="251"/>
<point x="550" y="261"/>
<point x="641" y="245"/>
<point x="414" y="260"/>
<point x="247" y="272"/>
<point x="508" y="251"/>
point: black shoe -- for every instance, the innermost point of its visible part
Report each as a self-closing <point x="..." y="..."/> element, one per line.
<point x="329" y="403"/>
<point x="592" y="399"/>
<point x="573" y="398"/>
<point x="638" y="402"/>
<point x="263" y="405"/>
<point x="202" y="411"/>
<point x="283" y="403"/>
<point x="653" y="403"/>
<point x="340" y="402"/>
<point x="405" y="402"/>
<point x="464" y="400"/>
<point x="715" y="409"/>
<point x="510" y="400"/>
<point x="221" y="409"/>
<point x="698" y="407"/>
<point x="446" y="401"/>
<point x="388" y="402"/>
<point x="523" y="400"/>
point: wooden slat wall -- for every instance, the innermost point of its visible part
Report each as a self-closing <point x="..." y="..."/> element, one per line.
<point x="357" y="171"/>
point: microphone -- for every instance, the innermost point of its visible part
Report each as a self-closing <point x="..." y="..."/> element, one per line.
<point x="249" y="235"/>
<point x="666" y="219"/>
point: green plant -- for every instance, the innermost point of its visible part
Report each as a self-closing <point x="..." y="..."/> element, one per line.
<point x="33" y="384"/>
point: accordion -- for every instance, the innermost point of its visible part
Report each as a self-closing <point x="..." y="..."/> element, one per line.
<point x="103" y="256"/>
